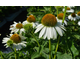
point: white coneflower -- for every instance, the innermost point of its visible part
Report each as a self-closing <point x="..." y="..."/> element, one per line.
<point x="78" y="15"/>
<point x="60" y="18"/>
<point x="73" y="17"/>
<point x="16" y="27"/>
<point x="49" y="27"/>
<point x="71" y="6"/>
<point x="31" y="19"/>
<point x="17" y="41"/>
<point x="68" y="10"/>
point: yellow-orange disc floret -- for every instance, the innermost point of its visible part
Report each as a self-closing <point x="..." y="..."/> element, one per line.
<point x="78" y="13"/>
<point x="60" y="16"/>
<point x="68" y="8"/>
<point x="31" y="18"/>
<point x="73" y="15"/>
<point x="16" y="38"/>
<point x="19" y="25"/>
<point x="49" y="20"/>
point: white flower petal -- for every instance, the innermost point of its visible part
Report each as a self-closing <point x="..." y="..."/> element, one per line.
<point x="48" y="33"/>
<point x="22" y="30"/>
<point x="63" y="27"/>
<point x="16" y="46"/>
<point x="5" y="40"/>
<point x="59" y="30"/>
<point x="79" y="23"/>
<point x="45" y="35"/>
<point x="54" y="34"/>
<point x="42" y="32"/>
<point x="39" y="25"/>
<point x="39" y="28"/>
<point x="65" y="22"/>
<point x="34" y="25"/>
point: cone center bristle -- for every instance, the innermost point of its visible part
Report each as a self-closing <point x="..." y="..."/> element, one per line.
<point x="16" y="38"/>
<point x="49" y="20"/>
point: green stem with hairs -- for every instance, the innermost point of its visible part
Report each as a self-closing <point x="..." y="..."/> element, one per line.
<point x="49" y="49"/>
<point x="64" y="14"/>
<point x="56" y="47"/>
<point x="35" y="39"/>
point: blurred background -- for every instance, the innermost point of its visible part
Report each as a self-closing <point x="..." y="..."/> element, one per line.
<point x="8" y="14"/>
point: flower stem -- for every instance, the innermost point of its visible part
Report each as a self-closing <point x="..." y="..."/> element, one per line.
<point x="49" y="49"/>
<point x="57" y="11"/>
<point x="14" y="50"/>
<point x="56" y="47"/>
<point x="15" y="53"/>
<point x="36" y="40"/>
<point x="64" y="14"/>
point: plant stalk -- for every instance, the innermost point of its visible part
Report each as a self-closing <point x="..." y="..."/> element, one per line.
<point x="49" y="49"/>
<point x="57" y="11"/>
<point x="64" y="14"/>
<point x="56" y="47"/>
<point x="36" y="40"/>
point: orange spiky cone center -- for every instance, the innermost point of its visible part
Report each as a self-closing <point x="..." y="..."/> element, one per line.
<point x="31" y="18"/>
<point x="16" y="38"/>
<point x="19" y="26"/>
<point x="60" y="16"/>
<point x="49" y="20"/>
<point x="78" y="13"/>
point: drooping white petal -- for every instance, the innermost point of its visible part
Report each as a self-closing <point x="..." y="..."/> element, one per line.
<point x="34" y="25"/>
<point x="65" y="22"/>
<point x="22" y="30"/>
<point x="39" y="28"/>
<point x="17" y="46"/>
<point x="39" y="25"/>
<point x="42" y="32"/>
<point x="22" y="44"/>
<point x="25" y="22"/>
<point x="45" y="35"/>
<point x="54" y="34"/>
<point x="63" y="28"/>
<point x="22" y="37"/>
<point x="59" y="30"/>
<point x="48" y="33"/>
<point x="5" y="40"/>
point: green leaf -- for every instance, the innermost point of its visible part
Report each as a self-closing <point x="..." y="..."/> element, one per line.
<point x="41" y="48"/>
<point x="77" y="36"/>
<point x="52" y="47"/>
<point x="46" y="50"/>
<point x="12" y="57"/>
<point x="35" y="55"/>
<point x="37" y="48"/>
<point x="47" y="8"/>
<point x="46" y="56"/>
<point x="63" y="56"/>
<point x="74" y="50"/>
